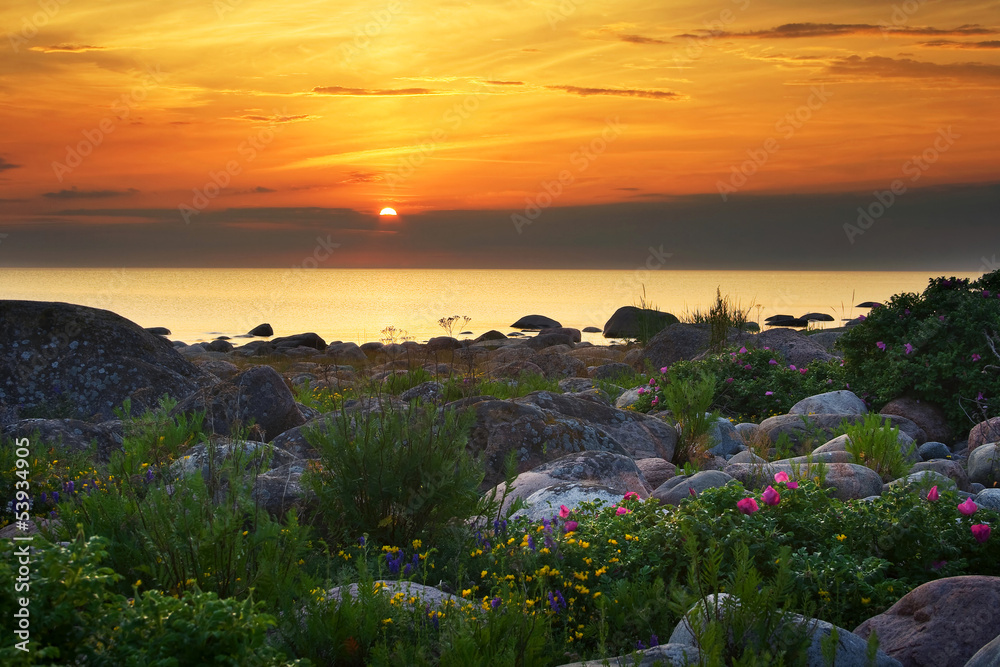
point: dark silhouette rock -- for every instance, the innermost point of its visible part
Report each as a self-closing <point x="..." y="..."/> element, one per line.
<point x="492" y="334"/>
<point x="300" y="340"/>
<point x="633" y="322"/>
<point x="926" y="415"/>
<point x="676" y="342"/>
<point x="261" y="330"/>
<point x="535" y="322"/>
<point x="159" y="331"/>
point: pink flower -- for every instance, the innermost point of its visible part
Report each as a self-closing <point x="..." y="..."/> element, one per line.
<point x="747" y="367"/>
<point x="743" y="350"/>
<point x="980" y="397"/>
<point x="769" y="393"/>
<point x="631" y="494"/>
<point x="862" y="318"/>
<point x="692" y="492"/>
<point x="563" y="511"/>
<point x="908" y="348"/>
<point x="792" y="367"/>
<point x="781" y="477"/>
<point x="652" y="382"/>
<point x="570" y="526"/>
<point x="642" y="390"/>
<point x="933" y="494"/>
<point x="665" y="369"/>
<point x="968" y="508"/>
<point x="622" y="510"/>
<point x="941" y="317"/>
<point x="981" y="532"/>
<point x="728" y="380"/>
<point x="747" y="506"/>
<point x="792" y="485"/>
<point x="976" y="357"/>
<point x="803" y="370"/>
<point x="773" y="362"/>
<point x="656" y="400"/>
<point x="770" y="496"/>
<point x="880" y="345"/>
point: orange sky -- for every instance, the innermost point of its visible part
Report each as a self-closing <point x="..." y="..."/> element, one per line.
<point x="456" y="105"/>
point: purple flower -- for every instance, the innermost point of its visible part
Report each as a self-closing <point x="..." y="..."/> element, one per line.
<point x="69" y="486"/>
<point x="642" y="390"/>
<point x="729" y="380"/>
<point x="531" y="542"/>
<point x="941" y="317"/>
<point x="570" y="526"/>
<point x="769" y="393"/>
<point x="976" y="357"/>
<point x="908" y="348"/>
<point x="654" y="641"/>
<point x="792" y="367"/>
<point x="149" y="475"/>
<point x="880" y="345"/>
<point x="980" y="397"/>
<point x="747" y="367"/>
<point x="665" y="369"/>
<point x="986" y="292"/>
<point x="862" y="318"/>
<point x="43" y="498"/>
<point x="743" y="350"/>
<point x="494" y="603"/>
<point x="55" y="496"/>
<point x="556" y="601"/>
<point x="361" y="540"/>
<point x="652" y="382"/>
<point x="773" y="362"/>
<point x="906" y="311"/>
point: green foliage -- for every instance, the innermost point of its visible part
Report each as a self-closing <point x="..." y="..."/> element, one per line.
<point x="875" y="444"/>
<point x="397" y="383"/>
<point x="724" y="315"/>
<point x="396" y="475"/>
<point x="522" y="386"/>
<point x="934" y="347"/>
<point x="689" y="401"/>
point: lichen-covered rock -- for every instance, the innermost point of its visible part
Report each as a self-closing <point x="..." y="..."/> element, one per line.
<point x="800" y="428"/>
<point x="280" y="489"/>
<point x="679" y="488"/>
<point x="797" y="348"/>
<point x="928" y="416"/>
<point x="102" y="439"/>
<point x="842" y="402"/>
<point x="984" y="464"/>
<point x="558" y="366"/>
<point x="86" y="361"/>
<point x="676" y="342"/>
<point x="656" y="470"/>
<point x="984" y="432"/>
<point x="545" y="503"/>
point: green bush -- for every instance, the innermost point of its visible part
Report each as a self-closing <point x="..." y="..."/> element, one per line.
<point x="932" y="347"/>
<point x="394" y="474"/>
<point x="875" y="445"/>
<point x="688" y="402"/>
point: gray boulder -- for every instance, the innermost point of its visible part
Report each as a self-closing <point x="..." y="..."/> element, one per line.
<point x="677" y="489"/>
<point x="724" y="438"/>
<point x="676" y="342"/>
<point x="656" y="470"/>
<point x="982" y="433"/>
<point x="86" y="360"/>
<point x="102" y="439"/>
<point x="928" y="416"/>
<point x="989" y="498"/>
<point x="279" y="490"/>
<point x="933" y="450"/>
<point x="984" y="465"/>
<point x="798" y="349"/>
<point x="261" y="330"/>
<point x="802" y="428"/>
<point x="545" y="503"/>
<point x="842" y="402"/>
<point x="849" y="480"/>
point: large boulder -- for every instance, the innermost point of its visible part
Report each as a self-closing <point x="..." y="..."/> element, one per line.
<point x="953" y="470"/>
<point x="676" y="342"/>
<point x="100" y="439"/>
<point x="248" y="455"/>
<point x="679" y="488"/>
<point x="634" y="322"/>
<point x="984" y="464"/>
<point x="85" y="361"/>
<point x="535" y="322"/>
<point x="258" y="395"/>
<point x="545" y="503"/>
<point x="299" y="340"/>
<point x="280" y="489"/>
<point x="984" y="432"/>
<point x="663" y="655"/>
<point x="941" y="623"/>
<point x="849" y="480"/>
<point x="842" y="402"/>
<point x="928" y="416"/>
<point x="558" y="366"/>
<point x="656" y="470"/>
<point x="801" y="428"/>
<point x="798" y="349"/>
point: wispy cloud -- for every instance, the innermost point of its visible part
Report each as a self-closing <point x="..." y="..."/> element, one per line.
<point x="799" y="30"/>
<point x="363" y="177"/>
<point x="89" y="194"/>
<point x="620" y="92"/>
<point x="878" y="67"/>
<point x="68" y="48"/>
<point x="274" y="119"/>
<point x="952" y="44"/>
<point x="383" y="92"/>
<point x="505" y="83"/>
<point x="5" y="165"/>
<point x="641" y="39"/>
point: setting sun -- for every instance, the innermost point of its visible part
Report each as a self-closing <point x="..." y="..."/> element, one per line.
<point x="387" y="211"/>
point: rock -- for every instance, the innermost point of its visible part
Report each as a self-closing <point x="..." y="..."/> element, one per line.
<point x="933" y="450"/>
<point x="591" y="330"/>
<point x="442" y="344"/>
<point x="426" y="595"/>
<point x="925" y="479"/>
<point x="258" y="394"/>
<point x="931" y="625"/>
<point x="633" y="322"/>
<point x="545" y="503"/>
<point x="158" y="331"/>
<point x="851" y="648"/>
<point x="628" y="398"/>
<point x="279" y="490"/>
<point x="641" y="436"/>
<point x="347" y="353"/>
<point x="371" y="348"/>
<point x="746" y="456"/>
<point x="425" y="391"/>
<point x="535" y="322"/>
<point x="747" y="430"/>
<point x="574" y="334"/>
<point x="261" y="330"/>
<point x="198" y="458"/>
<point x="839" y="444"/>
<point x="849" y="480"/>
<point x="544" y="340"/>
<point x="674" y="490"/>
<point x="989" y="498"/>
<point x="492" y="334"/>
<point x="953" y="470"/>
<point x="676" y="342"/>
<point x="987" y="656"/>
<point x="219" y="368"/>
<point x="664" y="655"/>
<point x="984" y="465"/>
<point x="727" y="440"/>
<point x="575" y="385"/>
<point x="86" y="360"/>
<point x="299" y="340"/>
<point x="798" y="349"/>
<point x="981" y="433"/>
<point x="613" y="471"/>
<point x="516" y="369"/>
<point x="801" y="428"/>
<point x="102" y="439"/>
<point x="560" y="366"/>
<point x="218" y="346"/>
<point x="656" y="470"/>
<point x="842" y="402"/>
<point x="828" y="339"/>
<point x="928" y="416"/>
<point x="610" y="371"/>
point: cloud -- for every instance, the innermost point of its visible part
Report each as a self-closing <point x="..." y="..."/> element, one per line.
<point x="952" y="44"/>
<point x="363" y="177"/>
<point x="386" y="92"/>
<point x="505" y="83"/>
<point x="274" y="119"/>
<point x="879" y="67"/>
<point x="4" y="165"/>
<point x="797" y="30"/>
<point x="68" y="48"/>
<point x="621" y="92"/>
<point x="640" y="39"/>
<point x="261" y="188"/>
<point x="89" y="194"/>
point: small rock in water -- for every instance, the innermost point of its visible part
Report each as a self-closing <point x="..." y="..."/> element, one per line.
<point x="262" y="330"/>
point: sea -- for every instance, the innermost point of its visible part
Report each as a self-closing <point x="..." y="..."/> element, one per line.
<point x="362" y="305"/>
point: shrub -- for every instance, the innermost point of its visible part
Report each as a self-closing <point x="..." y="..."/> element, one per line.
<point x="689" y="401"/>
<point x="932" y="346"/>
<point x="394" y="474"/>
<point x="875" y="445"/>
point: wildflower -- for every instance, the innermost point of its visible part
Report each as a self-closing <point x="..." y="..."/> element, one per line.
<point x="773" y="362"/>
<point x="563" y="511"/>
<point x="880" y="345"/>
<point x="570" y="526"/>
<point x="665" y="369"/>
<point x="981" y="532"/>
<point x="803" y="370"/>
<point x="652" y="382"/>
<point x="980" y="397"/>
<point x="622" y="510"/>
<point x="968" y="508"/>
<point x="938" y="564"/>
<point x="781" y="477"/>
<point x="747" y="367"/>
<point x="642" y="391"/>
<point x="655" y="401"/>
<point x="769" y="393"/>
<point x="692" y="492"/>
<point x="865" y="600"/>
<point x="729" y="380"/>
<point x="494" y="603"/>
<point x="862" y="318"/>
<point x="941" y="317"/>
<point x="743" y="350"/>
<point x="792" y="367"/>
<point x="747" y="506"/>
<point x="933" y="494"/>
<point x="417" y="544"/>
<point x="841" y="537"/>
<point x="631" y="494"/>
<point x="976" y="357"/>
<point x="770" y="496"/>
<point x="908" y="348"/>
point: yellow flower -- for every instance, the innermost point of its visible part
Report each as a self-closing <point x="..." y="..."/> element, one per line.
<point x="865" y="600"/>
<point x="386" y="621"/>
<point x="483" y="574"/>
<point x="138" y="583"/>
<point x="467" y="592"/>
<point x="417" y="544"/>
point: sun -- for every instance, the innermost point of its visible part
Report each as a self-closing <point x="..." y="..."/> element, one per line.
<point x="387" y="211"/>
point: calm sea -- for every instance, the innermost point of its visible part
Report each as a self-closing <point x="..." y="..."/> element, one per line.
<point x="357" y="304"/>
